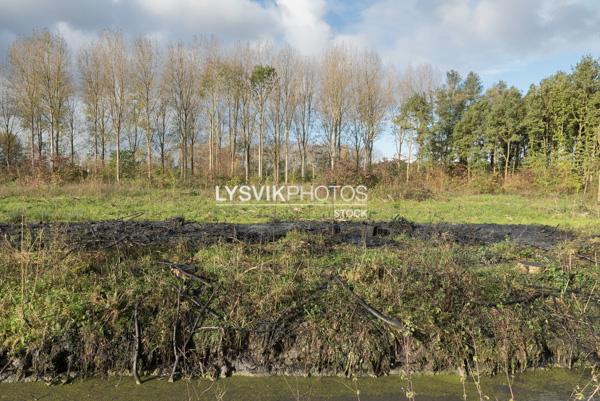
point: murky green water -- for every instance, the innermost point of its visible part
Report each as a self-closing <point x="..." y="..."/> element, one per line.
<point x="549" y="385"/>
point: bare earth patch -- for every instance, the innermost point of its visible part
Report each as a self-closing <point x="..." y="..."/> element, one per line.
<point x="104" y="234"/>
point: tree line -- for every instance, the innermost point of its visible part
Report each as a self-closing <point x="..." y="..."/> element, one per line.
<point x="258" y="111"/>
<point x="553" y="129"/>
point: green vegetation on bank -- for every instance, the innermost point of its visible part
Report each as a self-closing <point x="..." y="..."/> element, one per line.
<point x="273" y="308"/>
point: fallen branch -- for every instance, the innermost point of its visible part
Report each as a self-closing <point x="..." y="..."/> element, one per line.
<point x="583" y="257"/>
<point x="114" y="243"/>
<point x="4" y="368"/>
<point x="392" y="321"/>
<point x="136" y="347"/>
<point x="172" y="375"/>
<point x="182" y="271"/>
<point x="131" y="216"/>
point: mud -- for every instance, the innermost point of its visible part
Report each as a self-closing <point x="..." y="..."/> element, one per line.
<point x="107" y="234"/>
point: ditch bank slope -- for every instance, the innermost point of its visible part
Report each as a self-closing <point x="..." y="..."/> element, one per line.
<point x="178" y="298"/>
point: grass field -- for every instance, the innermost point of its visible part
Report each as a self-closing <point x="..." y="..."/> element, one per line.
<point x="85" y="202"/>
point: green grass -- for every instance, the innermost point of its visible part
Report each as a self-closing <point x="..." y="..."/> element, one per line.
<point x="86" y="202"/>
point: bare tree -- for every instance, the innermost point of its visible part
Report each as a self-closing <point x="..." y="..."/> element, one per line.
<point x="24" y="57"/>
<point x="8" y="120"/>
<point x="247" y="111"/>
<point x="304" y="114"/>
<point x="336" y="77"/>
<point x="212" y="89"/>
<point x="133" y="121"/>
<point x="162" y="117"/>
<point x="355" y="130"/>
<point x="374" y="99"/>
<point x="234" y="85"/>
<point x="285" y="99"/>
<point x="262" y="79"/>
<point x="145" y="84"/>
<point x="251" y="104"/>
<point x="183" y="80"/>
<point x="57" y="86"/>
<point x="69" y="123"/>
<point x="422" y="79"/>
<point x="93" y="95"/>
<point x="275" y="113"/>
<point x="116" y="82"/>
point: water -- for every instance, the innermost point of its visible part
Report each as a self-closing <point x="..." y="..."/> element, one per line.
<point x="547" y="385"/>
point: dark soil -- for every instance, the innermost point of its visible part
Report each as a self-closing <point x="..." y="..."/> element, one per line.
<point x="106" y="234"/>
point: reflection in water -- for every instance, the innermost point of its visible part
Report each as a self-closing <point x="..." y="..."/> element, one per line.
<point x="548" y="385"/>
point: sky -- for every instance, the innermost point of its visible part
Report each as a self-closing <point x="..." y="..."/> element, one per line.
<point x="518" y="41"/>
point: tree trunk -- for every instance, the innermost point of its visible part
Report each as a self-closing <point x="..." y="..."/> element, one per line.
<point x="149" y="145"/>
<point x="276" y="146"/>
<point x="102" y="150"/>
<point x="260" y="142"/>
<point x="149" y="156"/>
<point x="118" y="132"/>
<point x="303" y="164"/>
<point x="32" y="143"/>
<point x="210" y="143"/>
<point x="192" y="155"/>
<point x="162" y="158"/>
<point x="51" y="144"/>
<point x="232" y="143"/>
<point x="40" y="141"/>
<point x="95" y="146"/>
<point x="287" y="153"/>
<point x="598" y="200"/>
<point x="410" y="145"/>
<point x="506" y="162"/>
<point x="72" y="145"/>
<point x="247" y="161"/>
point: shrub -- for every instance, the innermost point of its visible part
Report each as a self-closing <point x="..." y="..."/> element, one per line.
<point x="129" y="166"/>
<point x="345" y="172"/>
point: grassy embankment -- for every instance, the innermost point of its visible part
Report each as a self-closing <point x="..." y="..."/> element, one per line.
<point x="93" y="201"/>
<point x="274" y="307"/>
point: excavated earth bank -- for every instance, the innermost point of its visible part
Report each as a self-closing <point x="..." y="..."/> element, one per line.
<point x="301" y="307"/>
<point x="103" y="234"/>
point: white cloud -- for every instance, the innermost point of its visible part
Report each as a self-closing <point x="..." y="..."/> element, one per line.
<point x="483" y="35"/>
<point x="232" y="10"/>
<point x="477" y="34"/>
<point x="228" y="18"/>
<point x="303" y="24"/>
<point x="76" y="38"/>
<point x="166" y="19"/>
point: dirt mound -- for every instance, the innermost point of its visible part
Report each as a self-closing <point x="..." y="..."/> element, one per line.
<point x="105" y="234"/>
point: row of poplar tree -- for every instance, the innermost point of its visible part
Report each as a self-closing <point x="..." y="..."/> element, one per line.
<point x="255" y="110"/>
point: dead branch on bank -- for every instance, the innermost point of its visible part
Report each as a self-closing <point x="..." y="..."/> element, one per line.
<point x="392" y="321"/>
<point x="136" y="346"/>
